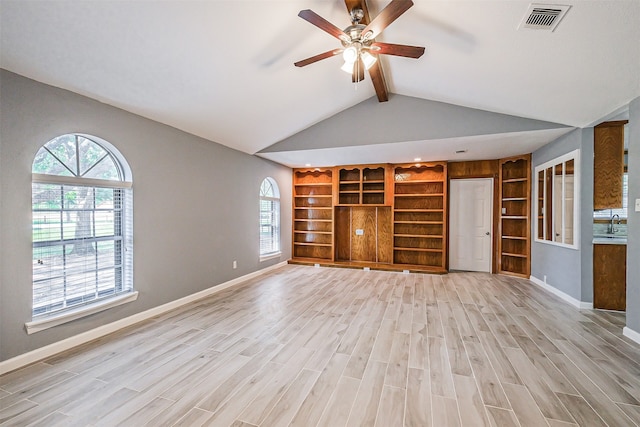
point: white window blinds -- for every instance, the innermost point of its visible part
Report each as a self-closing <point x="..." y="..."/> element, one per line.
<point x="82" y="216"/>
<point x="269" y="217"/>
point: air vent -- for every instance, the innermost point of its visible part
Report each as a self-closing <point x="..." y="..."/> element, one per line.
<point x="543" y="16"/>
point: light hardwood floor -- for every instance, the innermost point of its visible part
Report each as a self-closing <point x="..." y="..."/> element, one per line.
<point x="311" y="346"/>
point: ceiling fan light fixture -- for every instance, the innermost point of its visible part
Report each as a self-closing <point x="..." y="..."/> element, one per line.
<point x="347" y="68"/>
<point x="368" y="59"/>
<point x="350" y="55"/>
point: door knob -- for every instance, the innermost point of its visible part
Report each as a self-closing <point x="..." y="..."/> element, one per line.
<point x="487" y="233"/>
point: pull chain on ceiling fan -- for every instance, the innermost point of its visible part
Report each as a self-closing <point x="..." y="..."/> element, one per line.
<point x="359" y="48"/>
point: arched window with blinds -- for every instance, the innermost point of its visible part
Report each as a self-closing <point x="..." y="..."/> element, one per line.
<point x="82" y="211"/>
<point x="269" y="219"/>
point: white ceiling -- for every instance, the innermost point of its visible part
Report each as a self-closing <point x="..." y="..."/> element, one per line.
<point x="223" y="70"/>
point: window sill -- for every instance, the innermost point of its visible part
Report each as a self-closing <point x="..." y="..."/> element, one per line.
<point x="80" y="312"/>
<point x="267" y="257"/>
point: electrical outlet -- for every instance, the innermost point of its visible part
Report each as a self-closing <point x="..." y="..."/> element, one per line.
<point x="504" y="211"/>
<point x="235" y="264"/>
<point x="637" y="205"/>
<point x="359" y="232"/>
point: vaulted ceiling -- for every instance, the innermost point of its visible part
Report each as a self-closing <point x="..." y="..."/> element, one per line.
<point x="223" y="70"/>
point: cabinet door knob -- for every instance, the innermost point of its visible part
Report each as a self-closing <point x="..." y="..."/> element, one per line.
<point x="487" y="233"/>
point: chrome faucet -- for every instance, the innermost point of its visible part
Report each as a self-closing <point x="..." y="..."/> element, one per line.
<point x="610" y="228"/>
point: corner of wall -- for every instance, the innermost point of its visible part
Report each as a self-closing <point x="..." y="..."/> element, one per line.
<point x="586" y="215"/>
<point x="633" y="221"/>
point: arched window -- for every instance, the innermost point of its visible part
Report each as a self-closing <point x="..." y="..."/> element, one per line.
<point x="269" y="218"/>
<point x="82" y="224"/>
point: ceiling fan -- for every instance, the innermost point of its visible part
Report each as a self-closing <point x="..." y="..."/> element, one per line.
<point x="359" y="48"/>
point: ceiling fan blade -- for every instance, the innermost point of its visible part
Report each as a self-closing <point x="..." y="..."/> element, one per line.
<point x="386" y="17"/>
<point x="379" y="82"/>
<point x="318" y="57"/>
<point x="357" y="75"/>
<point x="317" y="20"/>
<point x="397" y="50"/>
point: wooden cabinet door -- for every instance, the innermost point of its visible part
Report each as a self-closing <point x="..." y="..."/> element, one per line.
<point x="363" y="234"/>
<point x="608" y="165"/>
<point x="610" y="277"/>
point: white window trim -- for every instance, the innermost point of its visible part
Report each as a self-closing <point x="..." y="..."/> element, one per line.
<point x="575" y="155"/>
<point x="271" y="255"/>
<point x="40" y="178"/>
<point x="59" y="318"/>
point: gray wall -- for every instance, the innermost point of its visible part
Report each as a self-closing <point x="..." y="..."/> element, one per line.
<point x="569" y="270"/>
<point x="402" y="119"/>
<point x="633" y="229"/>
<point x="195" y="205"/>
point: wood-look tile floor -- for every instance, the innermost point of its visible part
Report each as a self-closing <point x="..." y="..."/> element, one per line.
<point x="311" y="346"/>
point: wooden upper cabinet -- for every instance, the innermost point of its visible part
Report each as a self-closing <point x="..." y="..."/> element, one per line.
<point x="362" y="185"/>
<point x="608" y="165"/>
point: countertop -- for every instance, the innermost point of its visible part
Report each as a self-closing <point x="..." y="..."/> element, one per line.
<point x="609" y="239"/>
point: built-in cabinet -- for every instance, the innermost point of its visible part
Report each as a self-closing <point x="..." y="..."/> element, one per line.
<point x="313" y="214"/>
<point x="610" y="277"/>
<point x="397" y="215"/>
<point x="419" y="215"/>
<point x="608" y="165"/>
<point x="361" y="185"/>
<point x="515" y="211"/>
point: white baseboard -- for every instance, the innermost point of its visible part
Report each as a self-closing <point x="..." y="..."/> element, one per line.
<point x="631" y="334"/>
<point x="76" y="340"/>
<point x="568" y="298"/>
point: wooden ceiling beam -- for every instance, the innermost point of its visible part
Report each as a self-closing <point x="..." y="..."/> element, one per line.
<point x="375" y="72"/>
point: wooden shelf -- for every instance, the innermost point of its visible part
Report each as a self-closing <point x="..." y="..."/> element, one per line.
<point x="315" y="207"/>
<point x="312" y="234"/>
<point x="514" y="228"/>
<point x="419" y="195"/>
<point x="419" y="210"/>
<point x="361" y="185"/>
<point x="418" y="181"/>
<point x="398" y="248"/>
<point x="419" y="236"/>
<point x="419" y="226"/>
<point x="514" y="255"/>
<point x="314" y="184"/>
<point x="418" y="222"/>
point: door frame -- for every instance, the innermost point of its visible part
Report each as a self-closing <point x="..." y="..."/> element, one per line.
<point x="494" y="216"/>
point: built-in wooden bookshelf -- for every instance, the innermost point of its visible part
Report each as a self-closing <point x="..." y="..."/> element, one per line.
<point x="361" y="185"/>
<point x="515" y="204"/>
<point x="313" y="213"/>
<point x="420" y="214"/>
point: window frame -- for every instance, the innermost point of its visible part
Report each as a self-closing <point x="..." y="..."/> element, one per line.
<point x="552" y="164"/>
<point x="274" y="212"/>
<point x="123" y="233"/>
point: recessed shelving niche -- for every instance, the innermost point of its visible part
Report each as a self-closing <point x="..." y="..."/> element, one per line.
<point x="313" y="214"/>
<point x="419" y="215"/>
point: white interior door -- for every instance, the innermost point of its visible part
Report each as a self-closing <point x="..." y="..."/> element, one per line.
<point x="470" y="213"/>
